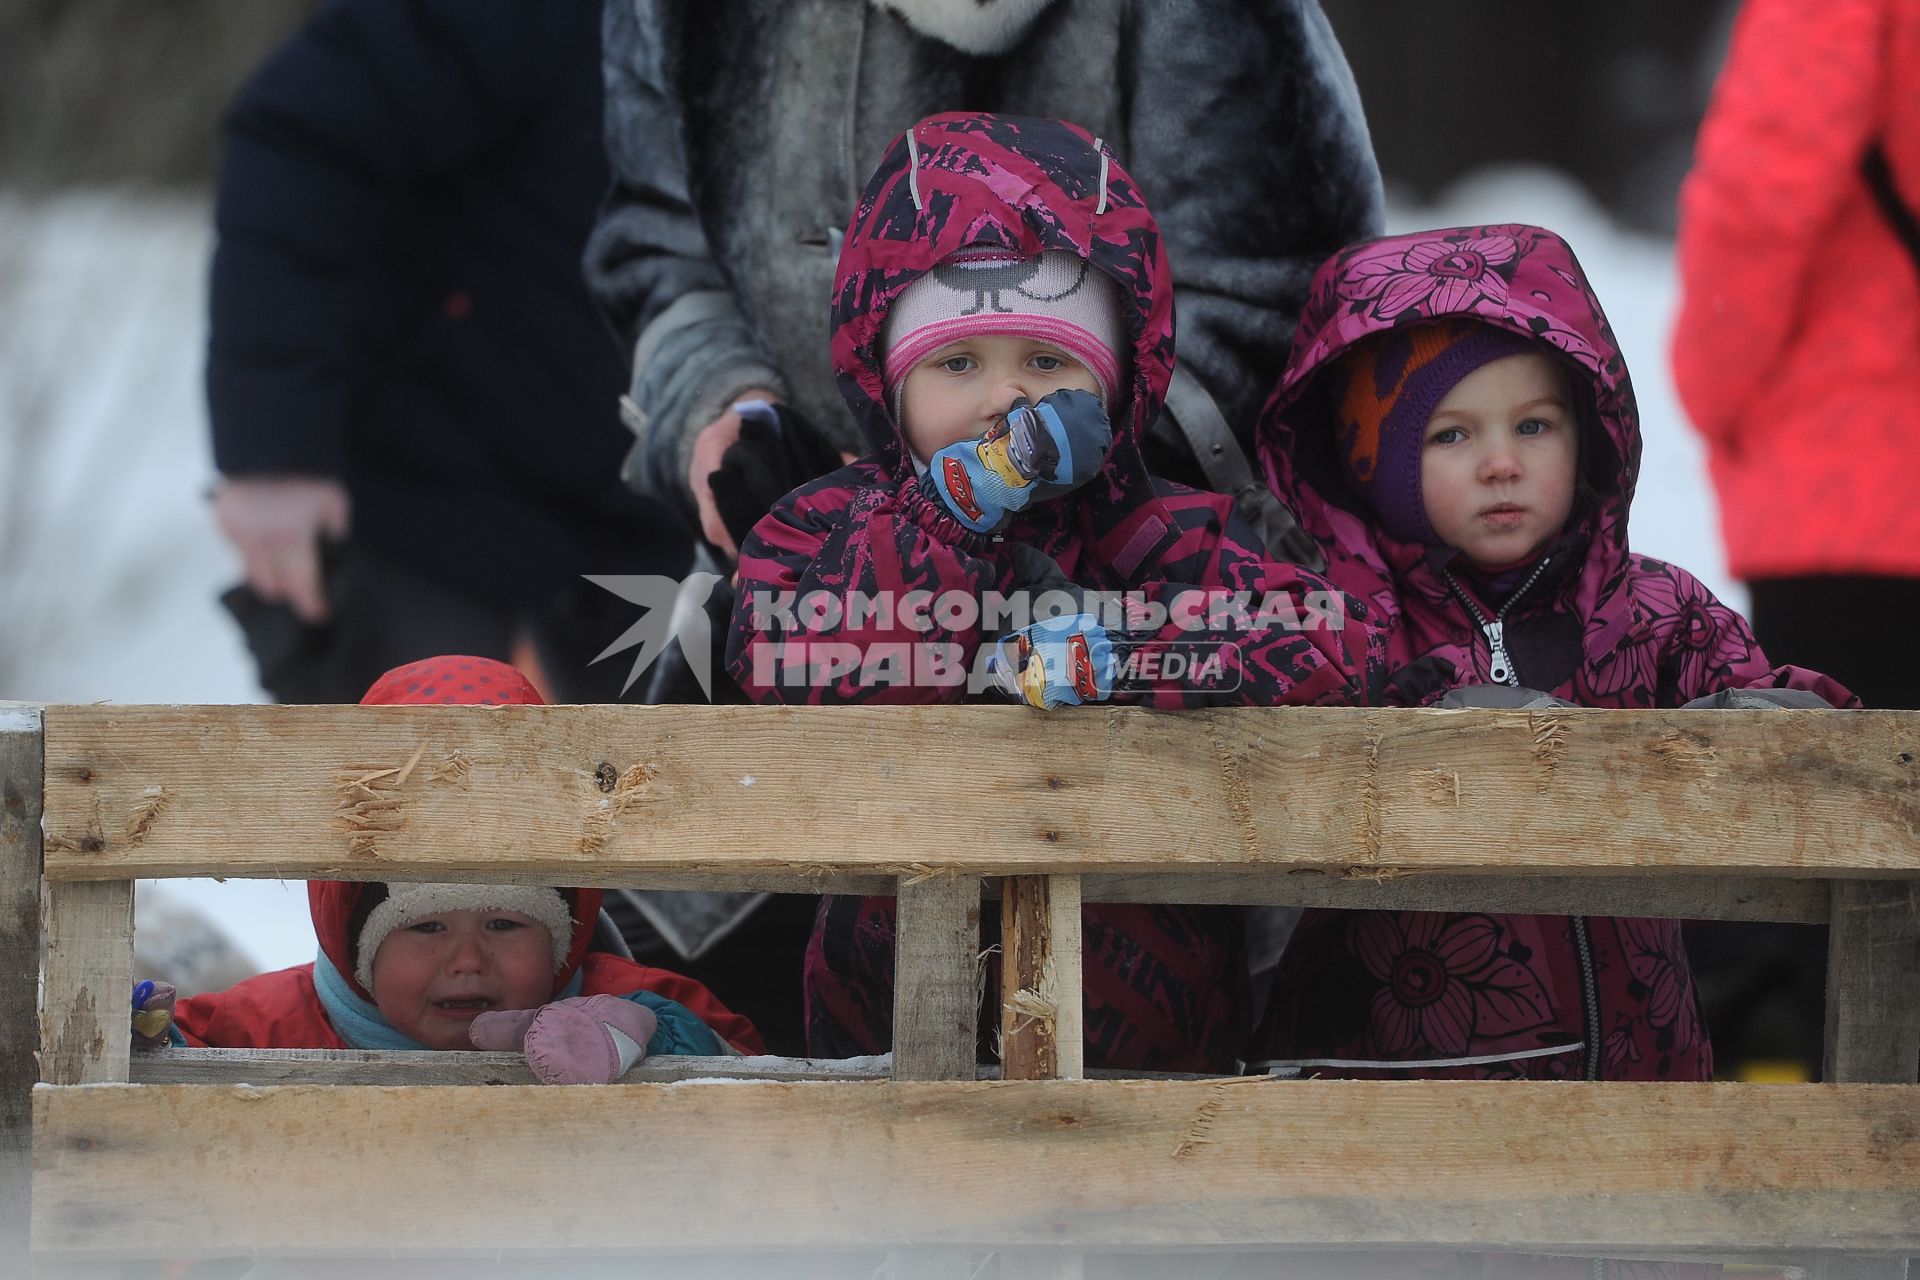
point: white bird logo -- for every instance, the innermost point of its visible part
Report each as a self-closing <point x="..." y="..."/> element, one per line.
<point x="674" y="610"/>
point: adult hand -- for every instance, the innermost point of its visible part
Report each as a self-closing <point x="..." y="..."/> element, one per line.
<point x="276" y="523"/>
<point x="710" y="444"/>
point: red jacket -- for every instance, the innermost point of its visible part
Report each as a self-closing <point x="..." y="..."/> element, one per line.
<point x="1797" y="350"/>
<point x="281" y="1010"/>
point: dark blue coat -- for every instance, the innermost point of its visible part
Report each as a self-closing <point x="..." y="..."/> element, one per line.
<point x="397" y="299"/>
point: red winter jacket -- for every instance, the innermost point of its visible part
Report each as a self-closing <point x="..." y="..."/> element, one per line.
<point x="1797" y="350"/>
<point x="281" y="1010"/>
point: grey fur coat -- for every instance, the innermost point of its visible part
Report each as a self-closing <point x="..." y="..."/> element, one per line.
<point x="740" y="132"/>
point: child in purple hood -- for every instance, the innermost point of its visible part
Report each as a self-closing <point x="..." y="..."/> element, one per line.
<point x="1003" y="332"/>
<point x="1456" y="427"/>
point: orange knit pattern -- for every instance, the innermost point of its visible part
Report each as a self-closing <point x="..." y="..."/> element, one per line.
<point x="1364" y="409"/>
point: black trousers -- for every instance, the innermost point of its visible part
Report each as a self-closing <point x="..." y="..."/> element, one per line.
<point x="1763" y="986"/>
<point x="1859" y="630"/>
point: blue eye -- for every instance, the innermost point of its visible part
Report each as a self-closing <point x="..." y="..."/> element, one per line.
<point x="957" y="364"/>
<point x="1048" y="363"/>
<point x="1533" y="427"/>
<point x="1447" y="435"/>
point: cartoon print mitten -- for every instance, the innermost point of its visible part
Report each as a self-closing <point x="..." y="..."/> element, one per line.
<point x="1057" y="662"/>
<point x="579" y="1040"/>
<point x="1037" y="452"/>
<point x="152" y="1013"/>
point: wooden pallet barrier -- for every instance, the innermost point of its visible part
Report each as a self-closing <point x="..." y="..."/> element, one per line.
<point x="1795" y="816"/>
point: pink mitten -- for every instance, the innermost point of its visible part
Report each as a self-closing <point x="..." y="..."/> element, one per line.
<point x="587" y="1039"/>
<point x="500" y="1030"/>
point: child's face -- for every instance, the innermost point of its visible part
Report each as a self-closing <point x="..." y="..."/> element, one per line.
<point x="1497" y="466"/>
<point x="431" y="978"/>
<point x="957" y="392"/>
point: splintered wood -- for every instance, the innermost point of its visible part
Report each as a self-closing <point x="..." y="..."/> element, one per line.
<point x="254" y="791"/>
<point x="629" y="790"/>
<point x="1041" y="1018"/>
<point x="241" y="791"/>
<point x="370" y="802"/>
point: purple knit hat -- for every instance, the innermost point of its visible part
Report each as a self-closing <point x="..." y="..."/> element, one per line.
<point x="1395" y="380"/>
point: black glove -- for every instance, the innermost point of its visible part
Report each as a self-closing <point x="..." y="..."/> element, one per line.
<point x="777" y="452"/>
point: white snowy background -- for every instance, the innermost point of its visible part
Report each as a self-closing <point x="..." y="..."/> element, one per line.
<point x="110" y="565"/>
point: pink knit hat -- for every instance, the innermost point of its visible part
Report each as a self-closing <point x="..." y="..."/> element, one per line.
<point x="1055" y="297"/>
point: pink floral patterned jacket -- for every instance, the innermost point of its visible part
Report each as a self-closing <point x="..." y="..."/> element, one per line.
<point x="1593" y="623"/>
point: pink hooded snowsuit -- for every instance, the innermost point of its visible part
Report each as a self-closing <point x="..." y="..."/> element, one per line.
<point x="1588" y="621"/>
<point x="1165" y="985"/>
<point x="1028" y="186"/>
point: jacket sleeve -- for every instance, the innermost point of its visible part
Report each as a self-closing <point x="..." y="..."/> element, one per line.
<point x="802" y="631"/>
<point x="1233" y="627"/>
<point x="1706" y="648"/>
<point x="369" y="97"/>
<point x="1247" y="117"/>
<point x="648" y="262"/>
<point x="1778" y="153"/>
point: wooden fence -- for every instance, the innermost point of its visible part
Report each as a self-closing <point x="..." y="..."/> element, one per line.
<point x="1810" y="817"/>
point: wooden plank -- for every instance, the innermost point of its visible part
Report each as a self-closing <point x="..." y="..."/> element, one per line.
<point x="936" y="987"/>
<point x="319" y="791"/>
<point x="19" y="969"/>
<point x="1066" y="955"/>
<point x="85" y="1014"/>
<point x="1687" y="897"/>
<point x="1048" y="1164"/>
<point x="1029" y="1009"/>
<point x="1034" y="1265"/>
<point x="395" y="1067"/>
<point x="1632" y="893"/>
<point x="401" y="1067"/>
<point x="1858" y="1267"/>
<point x="927" y="1264"/>
<point x="1873" y="983"/>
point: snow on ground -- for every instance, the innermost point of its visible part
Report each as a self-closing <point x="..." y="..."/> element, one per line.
<point x="111" y="566"/>
<point x="111" y="570"/>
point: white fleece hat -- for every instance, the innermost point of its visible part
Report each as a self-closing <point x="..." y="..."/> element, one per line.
<point x="407" y="903"/>
<point x="1056" y="297"/>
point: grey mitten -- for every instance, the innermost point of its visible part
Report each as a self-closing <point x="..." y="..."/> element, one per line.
<point x="1499" y="697"/>
<point x="1759" y="700"/>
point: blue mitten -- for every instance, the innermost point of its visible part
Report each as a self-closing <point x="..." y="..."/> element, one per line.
<point x="1067" y="661"/>
<point x="1037" y="452"/>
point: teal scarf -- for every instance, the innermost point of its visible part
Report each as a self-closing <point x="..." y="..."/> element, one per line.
<point x="359" y="1021"/>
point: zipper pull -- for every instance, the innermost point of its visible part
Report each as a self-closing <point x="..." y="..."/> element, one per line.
<point x="1499" y="668"/>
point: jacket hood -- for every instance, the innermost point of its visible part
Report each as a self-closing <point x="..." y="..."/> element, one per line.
<point x="337" y="917"/>
<point x="1521" y="278"/>
<point x="461" y="680"/>
<point x="1026" y="185"/>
